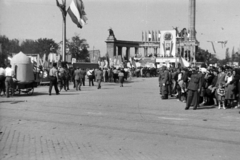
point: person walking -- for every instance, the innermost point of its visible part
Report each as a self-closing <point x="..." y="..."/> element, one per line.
<point x="81" y="77"/>
<point x="99" y="76"/>
<point x="90" y="77"/>
<point x="84" y="75"/>
<point x="53" y="73"/>
<point x="115" y="74"/>
<point x="77" y="79"/>
<point x="9" y="73"/>
<point x="2" y="79"/>
<point x="67" y="77"/>
<point x="62" y="77"/>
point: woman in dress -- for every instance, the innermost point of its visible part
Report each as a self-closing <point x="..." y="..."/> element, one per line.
<point x="230" y="88"/>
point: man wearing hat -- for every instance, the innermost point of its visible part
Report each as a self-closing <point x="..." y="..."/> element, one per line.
<point x="53" y="73"/>
<point x="99" y="76"/>
<point x="160" y="79"/>
<point x="165" y="82"/>
<point x="194" y="88"/>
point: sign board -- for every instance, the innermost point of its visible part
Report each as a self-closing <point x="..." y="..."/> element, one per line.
<point x="168" y="43"/>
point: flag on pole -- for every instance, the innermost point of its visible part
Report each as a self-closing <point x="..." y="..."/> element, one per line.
<point x="77" y="13"/>
<point x="183" y="62"/>
<point x="212" y="46"/>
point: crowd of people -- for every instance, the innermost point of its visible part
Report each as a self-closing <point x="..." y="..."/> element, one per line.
<point x="202" y="86"/>
<point x="61" y="76"/>
<point x="195" y="86"/>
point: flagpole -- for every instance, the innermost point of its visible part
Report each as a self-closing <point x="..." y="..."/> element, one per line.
<point x="64" y="32"/>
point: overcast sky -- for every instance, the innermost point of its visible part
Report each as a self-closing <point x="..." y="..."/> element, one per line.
<point x="32" y="19"/>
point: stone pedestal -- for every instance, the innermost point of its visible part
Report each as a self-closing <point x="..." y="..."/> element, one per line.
<point x="111" y="48"/>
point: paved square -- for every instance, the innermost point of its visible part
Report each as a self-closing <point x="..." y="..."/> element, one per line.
<point x="114" y="123"/>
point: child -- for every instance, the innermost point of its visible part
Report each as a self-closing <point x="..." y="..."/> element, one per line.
<point x="221" y="96"/>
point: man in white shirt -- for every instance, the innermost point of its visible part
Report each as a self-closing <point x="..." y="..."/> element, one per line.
<point x="9" y="73"/>
<point x="2" y="79"/>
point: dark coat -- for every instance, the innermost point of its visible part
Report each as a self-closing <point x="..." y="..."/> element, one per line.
<point x="165" y="82"/>
<point x="166" y="77"/>
<point x="77" y="74"/>
<point x="82" y="74"/>
<point x="195" y="82"/>
<point x="99" y="75"/>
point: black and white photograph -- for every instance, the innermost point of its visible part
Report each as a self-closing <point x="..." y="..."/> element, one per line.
<point x="119" y="80"/>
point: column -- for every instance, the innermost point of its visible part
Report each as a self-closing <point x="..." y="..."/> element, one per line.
<point x="127" y="53"/>
<point x="119" y="53"/>
<point x="111" y="49"/>
<point x="145" y="51"/>
<point x="136" y="50"/>
<point x="192" y="19"/>
<point x="155" y="51"/>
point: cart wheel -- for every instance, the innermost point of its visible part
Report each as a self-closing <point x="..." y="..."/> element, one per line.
<point x="32" y="90"/>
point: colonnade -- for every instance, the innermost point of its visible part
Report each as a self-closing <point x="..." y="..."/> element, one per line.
<point x="124" y="51"/>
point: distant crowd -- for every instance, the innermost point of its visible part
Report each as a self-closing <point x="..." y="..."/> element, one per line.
<point x="62" y="75"/>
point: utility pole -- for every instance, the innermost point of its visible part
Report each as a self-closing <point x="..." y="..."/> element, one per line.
<point x="62" y="7"/>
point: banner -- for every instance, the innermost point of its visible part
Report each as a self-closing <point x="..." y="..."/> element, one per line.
<point x="168" y="43"/>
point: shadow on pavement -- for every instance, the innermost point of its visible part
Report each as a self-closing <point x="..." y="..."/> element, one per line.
<point x="207" y="107"/>
<point x="11" y="102"/>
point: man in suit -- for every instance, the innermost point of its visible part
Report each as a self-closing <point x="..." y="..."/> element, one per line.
<point x="84" y="75"/>
<point x="160" y="80"/>
<point x="81" y="77"/>
<point x="77" y="78"/>
<point x="194" y="88"/>
<point x="99" y="76"/>
<point x="165" y="82"/>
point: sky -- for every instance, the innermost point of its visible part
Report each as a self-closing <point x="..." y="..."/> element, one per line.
<point x="216" y="20"/>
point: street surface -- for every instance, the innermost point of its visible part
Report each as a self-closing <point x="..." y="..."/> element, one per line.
<point x="114" y="123"/>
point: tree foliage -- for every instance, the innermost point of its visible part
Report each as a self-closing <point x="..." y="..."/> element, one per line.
<point x="78" y="48"/>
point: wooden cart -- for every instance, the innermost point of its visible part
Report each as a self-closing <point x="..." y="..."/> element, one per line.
<point x="24" y="87"/>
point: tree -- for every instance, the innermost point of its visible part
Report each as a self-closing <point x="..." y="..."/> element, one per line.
<point x="5" y="49"/>
<point x="46" y="46"/>
<point x="8" y="48"/>
<point x="28" y="46"/>
<point x="203" y="55"/>
<point x="79" y="48"/>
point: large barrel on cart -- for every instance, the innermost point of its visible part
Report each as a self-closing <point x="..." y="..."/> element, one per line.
<point x="23" y="68"/>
